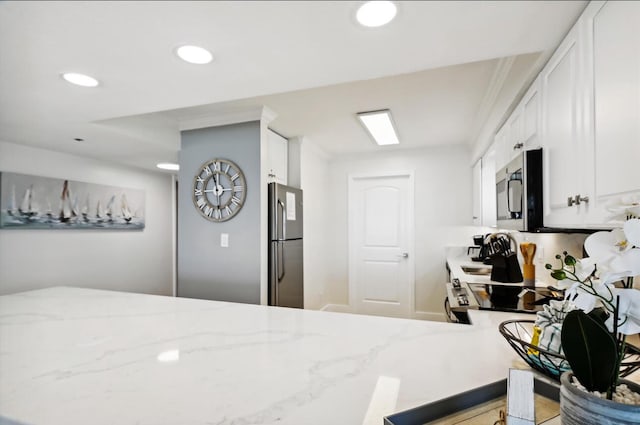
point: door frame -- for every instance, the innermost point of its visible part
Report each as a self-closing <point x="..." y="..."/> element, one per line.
<point x="352" y="177"/>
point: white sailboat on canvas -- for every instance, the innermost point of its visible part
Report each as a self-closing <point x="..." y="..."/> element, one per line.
<point x="11" y="208"/>
<point x="126" y="212"/>
<point x="65" y="204"/>
<point x="99" y="213"/>
<point x="85" y="209"/>
<point x="110" y="208"/>
<point x="27" y="208"/>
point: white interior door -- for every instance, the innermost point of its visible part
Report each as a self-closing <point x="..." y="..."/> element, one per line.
<point x="381" y="265"/>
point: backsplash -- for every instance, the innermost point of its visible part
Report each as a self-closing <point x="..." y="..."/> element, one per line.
<point x="551" y="244"/>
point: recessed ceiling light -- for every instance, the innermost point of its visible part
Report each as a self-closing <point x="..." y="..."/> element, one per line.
<point x="194" y="54"/>
<point x="376" y="13"/>
<point x="168" y="166"/>
<point x="380" y="126"/>
<point x="80" y="79"/>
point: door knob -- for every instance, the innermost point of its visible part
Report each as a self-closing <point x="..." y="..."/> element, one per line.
<point x="404" y="255"/>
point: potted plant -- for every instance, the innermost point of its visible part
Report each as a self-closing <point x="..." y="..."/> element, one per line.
<point x="594" y="335"/>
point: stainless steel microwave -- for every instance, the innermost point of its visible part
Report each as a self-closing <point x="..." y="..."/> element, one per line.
<point x="519" y="193"/>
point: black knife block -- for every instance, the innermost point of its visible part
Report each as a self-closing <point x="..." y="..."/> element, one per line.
<point x="505" y="268"/>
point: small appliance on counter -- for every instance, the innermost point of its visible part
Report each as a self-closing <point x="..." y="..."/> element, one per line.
<point x="482" y="249"/>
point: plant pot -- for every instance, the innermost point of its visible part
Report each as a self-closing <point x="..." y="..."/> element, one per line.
<point x="580" y="408"/>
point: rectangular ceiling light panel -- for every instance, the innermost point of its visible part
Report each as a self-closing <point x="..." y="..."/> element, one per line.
<point x="380" y="126"/>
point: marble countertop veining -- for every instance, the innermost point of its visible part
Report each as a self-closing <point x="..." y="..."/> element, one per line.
<point x="78" y="356"/>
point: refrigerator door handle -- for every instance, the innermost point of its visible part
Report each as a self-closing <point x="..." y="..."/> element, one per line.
<point x="279" y="262"/>
<point x="284" y="220"/>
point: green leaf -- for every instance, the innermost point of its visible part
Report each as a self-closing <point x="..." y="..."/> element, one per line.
<point x="600" y="315"/>
<point x="558" y="274"/>
<point x="569" y="260"/>
<point x="590" y="350"/>
<point x="548" y="266"/>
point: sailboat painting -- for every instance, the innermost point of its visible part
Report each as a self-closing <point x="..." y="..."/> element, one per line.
<point x="33" y="202"/>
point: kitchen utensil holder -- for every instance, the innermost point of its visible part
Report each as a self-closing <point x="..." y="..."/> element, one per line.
<point x="504" y="260"/>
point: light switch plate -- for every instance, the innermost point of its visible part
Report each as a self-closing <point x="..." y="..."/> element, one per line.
<point x="224" y="240"/>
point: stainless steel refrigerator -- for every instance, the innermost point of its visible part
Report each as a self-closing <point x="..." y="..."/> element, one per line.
<point x="286" y="287"/>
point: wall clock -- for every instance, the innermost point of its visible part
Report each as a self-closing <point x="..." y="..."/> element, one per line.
<point x="219" y="190"/>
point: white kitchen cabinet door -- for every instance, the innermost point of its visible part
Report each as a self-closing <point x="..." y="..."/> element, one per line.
<point x="489" y="210"/>
<point x="500" y="143"/>
<point x="616" y="60"/>
<point x="563" y="144"/>
<point x="477" y="193"/>
<point x="515" y="136"/>
<point x="277" y="149"/>
<point x="531" y="116"/>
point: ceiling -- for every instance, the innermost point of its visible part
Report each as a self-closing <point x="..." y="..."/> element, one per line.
<point x="437" y="65"/>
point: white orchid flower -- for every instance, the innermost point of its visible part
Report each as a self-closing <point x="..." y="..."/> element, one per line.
<point x="628" y="312"/>
<point x="617" y="253"/>
<point x="584" y="298"/>
<point x="625" y="208"/>
<point x="617" y="256"/>
<point x="632" y="231"/>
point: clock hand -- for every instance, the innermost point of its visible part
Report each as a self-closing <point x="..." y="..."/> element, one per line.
<point x="217" y="182"/>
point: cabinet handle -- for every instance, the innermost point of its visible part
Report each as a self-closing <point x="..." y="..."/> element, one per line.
<point x="571" y="201"/>
<point x="579" y="199"/>
<point x="518" y="146"/>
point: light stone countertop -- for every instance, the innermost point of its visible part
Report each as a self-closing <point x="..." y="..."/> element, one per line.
<point x="80" y="356"/>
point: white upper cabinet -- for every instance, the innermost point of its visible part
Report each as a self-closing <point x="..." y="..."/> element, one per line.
<point x="590" y="111"/>
<point x="531" y="116"/>
<point x="522" y="130"/>
<point x="489" y="210"/>
<point x="562" y="139"/>
<point x="514" y="140"/>
<point x="583" y="109"/>
<point x="277" y="150"/>
<point x="500" y="144"/>
<point x="616" y="84"/>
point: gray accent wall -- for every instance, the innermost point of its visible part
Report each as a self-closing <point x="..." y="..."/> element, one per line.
<point x="205" y="269"/>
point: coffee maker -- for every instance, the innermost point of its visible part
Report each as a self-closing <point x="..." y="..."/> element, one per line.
<point x="482" y="249"/>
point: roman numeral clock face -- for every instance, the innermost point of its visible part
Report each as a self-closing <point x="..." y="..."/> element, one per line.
<point x="219" y="190"/>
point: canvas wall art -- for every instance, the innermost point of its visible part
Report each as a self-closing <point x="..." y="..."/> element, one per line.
<point x="32" y="202"/>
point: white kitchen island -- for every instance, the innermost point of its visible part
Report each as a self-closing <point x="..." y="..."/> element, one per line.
<point x="79" y="356"/>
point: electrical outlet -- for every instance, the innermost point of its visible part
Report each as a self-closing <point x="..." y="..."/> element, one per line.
<point x="224" y="240"/>
<point x="540" y="253"/>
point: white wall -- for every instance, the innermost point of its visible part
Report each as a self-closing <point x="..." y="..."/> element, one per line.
<point x="134" y="261"/>
<point x="442" y="210"/>
<point x="314" y="174"/>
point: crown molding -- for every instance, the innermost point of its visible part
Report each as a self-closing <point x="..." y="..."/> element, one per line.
<point x="258" y="113"/>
